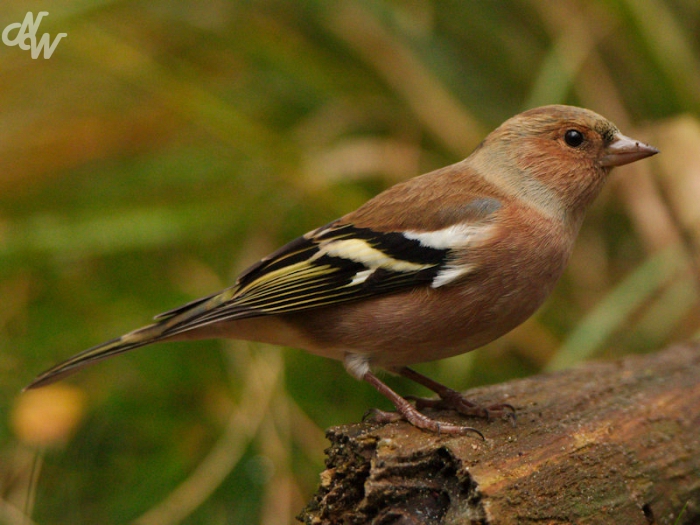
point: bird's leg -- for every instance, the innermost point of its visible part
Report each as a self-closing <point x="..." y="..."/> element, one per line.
<point x="451" y="398"/>
<point x="409" y="412"/>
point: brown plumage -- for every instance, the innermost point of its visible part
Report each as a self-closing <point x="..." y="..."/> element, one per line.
<point x="432" y="267"/>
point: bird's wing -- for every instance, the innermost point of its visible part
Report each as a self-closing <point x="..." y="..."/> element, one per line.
<point x="333" y="264"/>
<point x="337" y="263"/>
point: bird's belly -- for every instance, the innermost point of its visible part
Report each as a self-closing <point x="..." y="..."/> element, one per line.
<point x="421" y="325"/>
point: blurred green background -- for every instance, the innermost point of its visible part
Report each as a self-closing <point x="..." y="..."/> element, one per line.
<point x="165" y="145"/>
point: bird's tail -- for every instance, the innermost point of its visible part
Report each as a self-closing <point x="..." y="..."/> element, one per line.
<point x="168" y="326"/>
<point x="141" y="337"/>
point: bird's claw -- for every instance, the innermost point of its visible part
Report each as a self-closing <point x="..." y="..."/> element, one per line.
<point x="453" y="400"/>
<point x="419" y="420"/>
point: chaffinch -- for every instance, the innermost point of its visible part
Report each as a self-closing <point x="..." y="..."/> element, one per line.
<point x="432" y="267"/>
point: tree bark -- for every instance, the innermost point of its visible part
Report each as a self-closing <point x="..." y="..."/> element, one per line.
<point x="614" y="443"/>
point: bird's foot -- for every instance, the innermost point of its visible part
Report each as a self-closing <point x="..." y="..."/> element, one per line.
<point x="417" y="419"/>
<point x="453" y="400"/>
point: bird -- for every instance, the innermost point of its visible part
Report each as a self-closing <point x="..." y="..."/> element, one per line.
<point x="433" y="267"/>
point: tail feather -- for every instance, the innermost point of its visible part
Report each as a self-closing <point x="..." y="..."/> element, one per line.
<point x="141" y="337"/>
<point x="168" y="326"/>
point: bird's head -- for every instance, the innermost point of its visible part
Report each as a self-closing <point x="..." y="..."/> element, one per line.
<point x="560" y="156"/>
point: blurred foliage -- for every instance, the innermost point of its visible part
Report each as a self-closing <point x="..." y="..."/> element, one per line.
<point x="166" y="145"/>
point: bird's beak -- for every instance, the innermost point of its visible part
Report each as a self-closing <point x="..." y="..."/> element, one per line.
<point x="624" y="150"/>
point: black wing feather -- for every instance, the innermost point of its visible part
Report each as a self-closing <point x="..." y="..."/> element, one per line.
<point x="300" y="276"/>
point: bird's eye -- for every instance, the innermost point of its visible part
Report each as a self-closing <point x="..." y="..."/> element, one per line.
<point x="573" y="138"/>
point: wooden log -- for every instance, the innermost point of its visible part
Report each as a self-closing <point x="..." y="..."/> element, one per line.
<point x="614" y="443"/>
